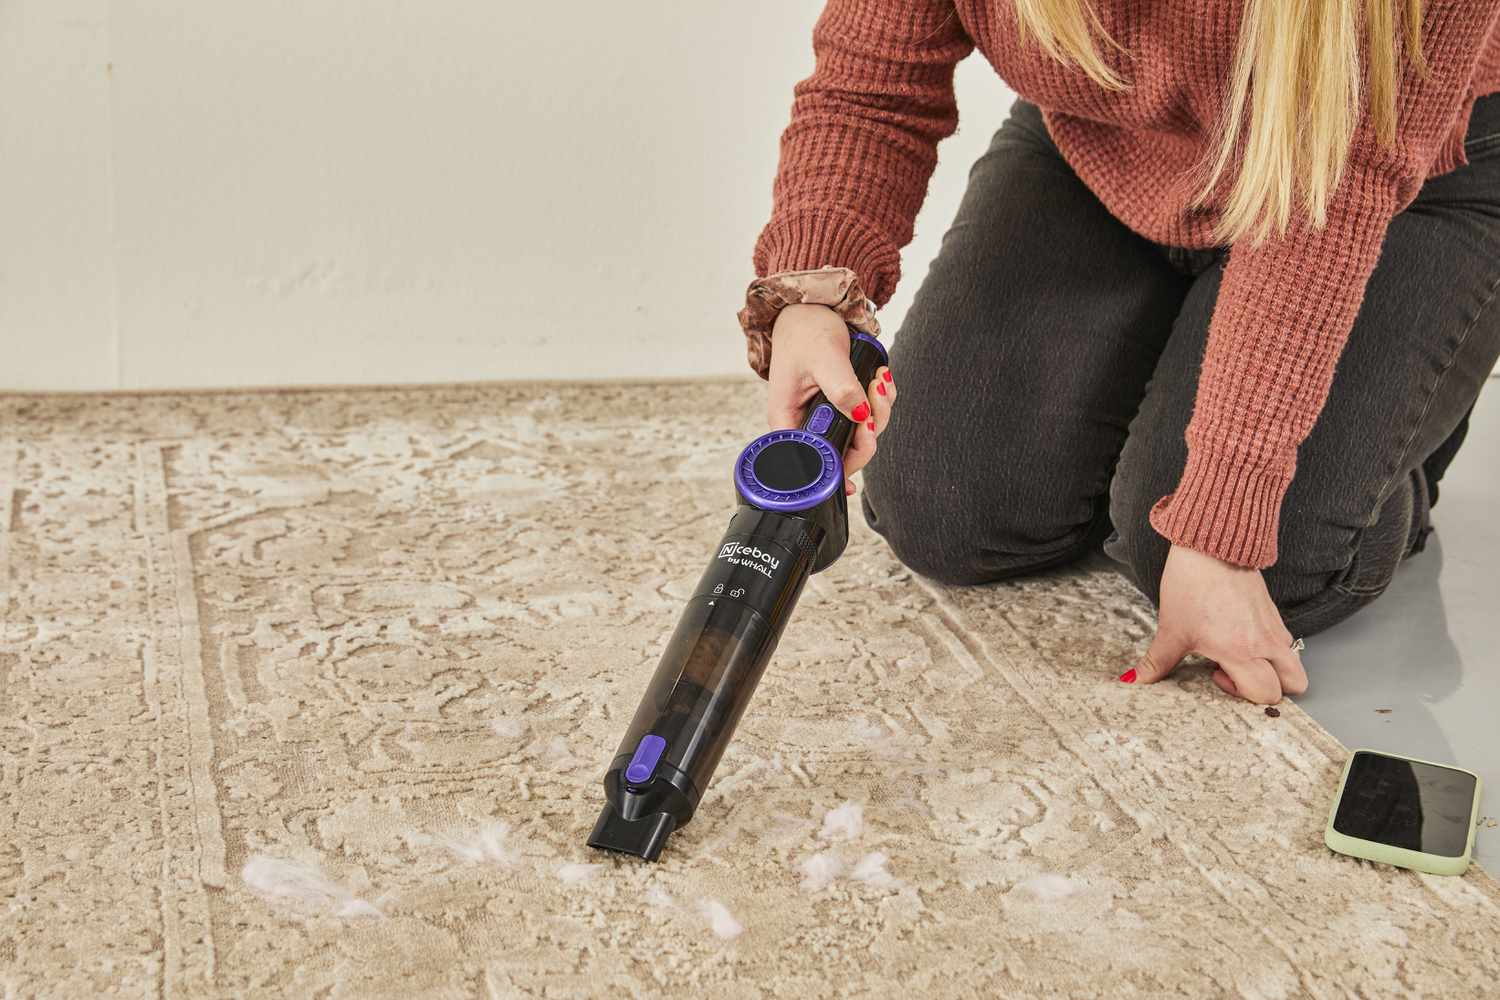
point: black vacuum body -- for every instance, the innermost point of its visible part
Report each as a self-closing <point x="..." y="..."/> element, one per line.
<point x="792" y="521"/>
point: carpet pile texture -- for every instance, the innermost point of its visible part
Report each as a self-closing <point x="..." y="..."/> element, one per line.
<point x="310" y="693"/>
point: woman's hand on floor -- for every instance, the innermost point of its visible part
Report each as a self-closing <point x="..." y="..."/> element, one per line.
<point x="1223" y="612"/>
<point x="810" y="351"/>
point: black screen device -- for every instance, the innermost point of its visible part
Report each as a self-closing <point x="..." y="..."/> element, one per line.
<point x="1407" y="812"/>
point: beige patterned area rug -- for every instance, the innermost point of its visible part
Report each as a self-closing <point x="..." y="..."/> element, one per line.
<point x="310" y="694"/>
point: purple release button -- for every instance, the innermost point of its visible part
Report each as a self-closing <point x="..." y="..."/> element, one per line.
<point x="647" y="753"/>
<point x="822" y="419"/>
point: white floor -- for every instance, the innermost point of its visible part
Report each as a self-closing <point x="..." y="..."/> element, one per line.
<point x="1418" y="671"/>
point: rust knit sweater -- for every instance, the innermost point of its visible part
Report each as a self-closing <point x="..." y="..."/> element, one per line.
<point x="862" y="144"/>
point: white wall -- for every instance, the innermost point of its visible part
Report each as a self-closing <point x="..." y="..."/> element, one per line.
<point x="225" y="192"/>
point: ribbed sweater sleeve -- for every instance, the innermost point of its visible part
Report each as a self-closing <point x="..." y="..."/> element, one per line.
<point x="862" y="143"/>
<point x="1286" y="307"/>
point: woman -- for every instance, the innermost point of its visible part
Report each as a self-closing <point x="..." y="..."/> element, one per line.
<point x="1220" y="295"/>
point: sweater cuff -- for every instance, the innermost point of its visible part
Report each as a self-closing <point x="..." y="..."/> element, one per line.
<point x="805" y="241"/>
<point x="1225" y="508"/>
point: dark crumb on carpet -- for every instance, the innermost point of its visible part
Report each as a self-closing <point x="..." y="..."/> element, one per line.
<point x="1382" y="711"/>
<point x="1274" y="713"/>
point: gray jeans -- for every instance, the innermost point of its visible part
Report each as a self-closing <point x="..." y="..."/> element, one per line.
<point x="1049" y="362"/>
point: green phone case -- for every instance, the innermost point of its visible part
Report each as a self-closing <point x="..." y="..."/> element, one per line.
<point x="1433" y="864"/>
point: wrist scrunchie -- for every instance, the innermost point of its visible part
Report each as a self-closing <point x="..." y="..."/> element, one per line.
<point x="835" y="287"/>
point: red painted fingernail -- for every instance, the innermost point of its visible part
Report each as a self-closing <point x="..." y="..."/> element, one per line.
<point x="871" y="425"/>
<point x="880" y="388"/>
<point x="886" y="374"/>
<point x="848" y="489"/>
<point x="861" y="412"/>
<point x="1128" y="676"/>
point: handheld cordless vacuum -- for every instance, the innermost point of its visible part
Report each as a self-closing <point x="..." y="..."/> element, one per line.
<point x="792" y="521"/>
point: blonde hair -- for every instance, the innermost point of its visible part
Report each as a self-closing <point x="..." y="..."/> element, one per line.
<point x="1295" y="92"/>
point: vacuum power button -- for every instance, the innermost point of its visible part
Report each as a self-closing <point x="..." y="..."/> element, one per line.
<point x="822" y="419"/>
<point x="643" y="763"/>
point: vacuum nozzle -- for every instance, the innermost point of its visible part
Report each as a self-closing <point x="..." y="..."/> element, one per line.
<point x="642" y="837"/>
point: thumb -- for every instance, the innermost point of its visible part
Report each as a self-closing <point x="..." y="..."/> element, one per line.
<point x="1166" y="651"/>
<point x="835" y="376"/>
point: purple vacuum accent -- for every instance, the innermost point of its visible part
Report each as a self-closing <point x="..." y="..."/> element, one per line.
<point x="822" y="419"/>
<point x="819" y="489"/>
<point x="647" y="753"/>
<point x="878" y="345"/>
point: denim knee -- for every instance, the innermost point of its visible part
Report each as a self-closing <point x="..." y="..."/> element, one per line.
<point x="930" y="536"/>
<point x="1323" y="573"/>
<point x="954" y="533"/>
